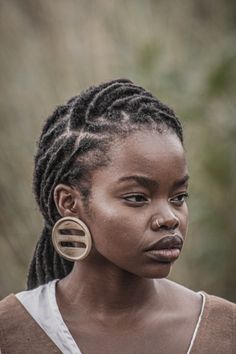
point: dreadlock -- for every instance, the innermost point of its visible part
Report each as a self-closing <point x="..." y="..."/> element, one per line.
<point x="74" y="142"/>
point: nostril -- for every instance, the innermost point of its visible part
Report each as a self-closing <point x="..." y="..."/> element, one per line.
<point x="165" y="224"/>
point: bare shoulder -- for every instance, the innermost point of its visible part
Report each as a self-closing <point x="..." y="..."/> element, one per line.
<point x="180" y="297"/>
<point x="178" y="290"/>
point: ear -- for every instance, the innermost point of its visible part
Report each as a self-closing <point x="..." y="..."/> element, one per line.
<point x="67" y="200"/>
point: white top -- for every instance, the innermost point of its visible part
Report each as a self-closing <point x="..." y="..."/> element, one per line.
<point x="42" y="306"/>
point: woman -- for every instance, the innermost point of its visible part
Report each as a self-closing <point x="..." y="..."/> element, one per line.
<point x="111" y="182"/>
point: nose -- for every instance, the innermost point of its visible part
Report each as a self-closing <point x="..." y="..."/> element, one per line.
<point x="166" y="221"/>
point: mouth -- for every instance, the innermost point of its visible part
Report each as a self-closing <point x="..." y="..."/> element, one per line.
<point x="166" y="250"/>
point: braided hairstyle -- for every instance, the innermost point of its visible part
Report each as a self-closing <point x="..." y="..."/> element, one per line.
<point x="74" y="142"/>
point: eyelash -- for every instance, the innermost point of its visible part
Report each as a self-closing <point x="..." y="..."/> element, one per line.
<point x="145" y="199"/>
<point x="179" y="202"/>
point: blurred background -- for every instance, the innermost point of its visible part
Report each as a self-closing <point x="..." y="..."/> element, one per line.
<point x="183" y="51"/>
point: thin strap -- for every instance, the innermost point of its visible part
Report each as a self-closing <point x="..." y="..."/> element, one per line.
<point x="217" y="330"/>
<point x="198" y="322"/>
<point x="68" y="344"/>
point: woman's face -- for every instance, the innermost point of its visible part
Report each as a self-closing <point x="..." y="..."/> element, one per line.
<point x="145" y="180"/>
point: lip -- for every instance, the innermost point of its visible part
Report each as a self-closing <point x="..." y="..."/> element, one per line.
<point x="167" y="249"/>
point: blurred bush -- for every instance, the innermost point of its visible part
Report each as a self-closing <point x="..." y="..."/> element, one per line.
<point x="184" y="51"/>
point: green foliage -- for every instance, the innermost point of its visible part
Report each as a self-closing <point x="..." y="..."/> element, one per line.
<point x="222" y="77"/>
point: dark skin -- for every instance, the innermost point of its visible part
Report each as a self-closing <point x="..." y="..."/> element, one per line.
<point x="117" y="300"/>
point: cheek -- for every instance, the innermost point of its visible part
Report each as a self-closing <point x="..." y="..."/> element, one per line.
<point x="114" y="230"/>
<point x="183" y="218"/>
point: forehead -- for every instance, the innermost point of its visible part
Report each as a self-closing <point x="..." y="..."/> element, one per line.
<point x="150" y="153"/>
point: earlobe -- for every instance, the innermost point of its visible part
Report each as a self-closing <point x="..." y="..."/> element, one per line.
<point x="66" y="200"/>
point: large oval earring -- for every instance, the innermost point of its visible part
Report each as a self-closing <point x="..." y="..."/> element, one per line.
<point x="71" y="238"/>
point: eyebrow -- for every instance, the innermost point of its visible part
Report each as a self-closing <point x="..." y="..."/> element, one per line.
<point x="143" y="181"/>
<point x="150" y="183"/>
<point x="181" y="182"/>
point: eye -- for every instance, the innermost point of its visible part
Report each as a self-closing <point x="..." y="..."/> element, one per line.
<point x="138" y="199"/>
<point x="179" y="199"/>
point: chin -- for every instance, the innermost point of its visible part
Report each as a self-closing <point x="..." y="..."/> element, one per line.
<point x="158" y="272"/>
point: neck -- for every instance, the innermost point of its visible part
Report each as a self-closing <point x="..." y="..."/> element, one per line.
<point x="105" y="289"/>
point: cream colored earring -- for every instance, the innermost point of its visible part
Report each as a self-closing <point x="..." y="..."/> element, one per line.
<point x="71" y="230"/>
